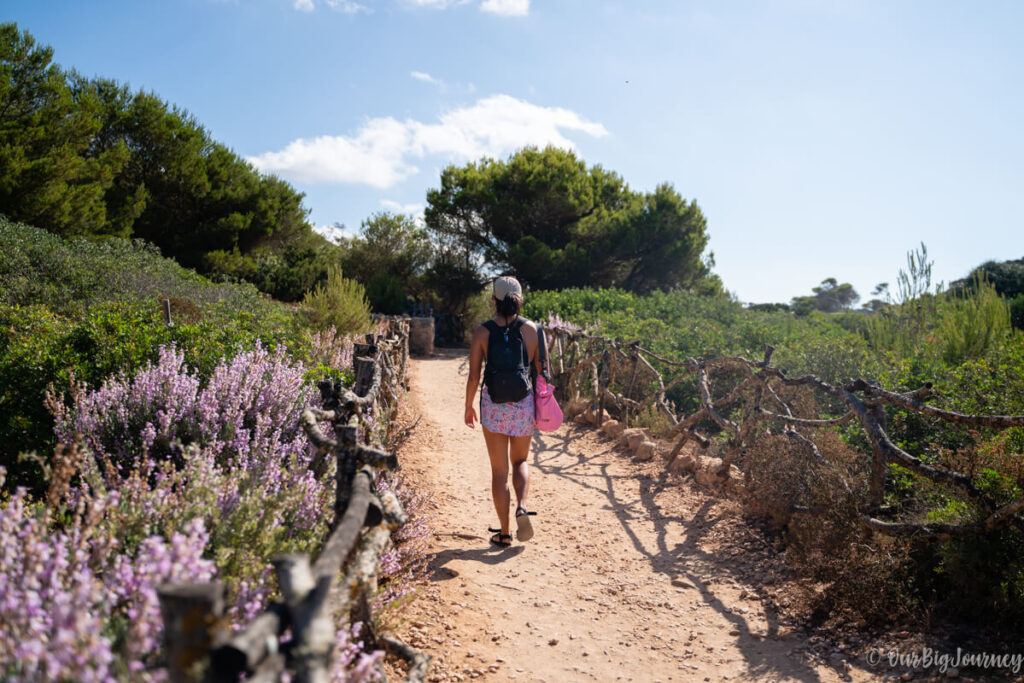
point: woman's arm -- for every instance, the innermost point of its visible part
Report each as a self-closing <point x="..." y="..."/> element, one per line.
<point x="477" y="348"/>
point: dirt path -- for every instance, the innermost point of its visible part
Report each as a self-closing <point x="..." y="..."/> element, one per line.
<point x="630" y="577"/>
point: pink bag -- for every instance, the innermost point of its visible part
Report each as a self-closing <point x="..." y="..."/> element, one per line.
<point x="546" y="410"/>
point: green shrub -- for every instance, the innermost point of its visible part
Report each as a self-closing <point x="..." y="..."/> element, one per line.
<point x="104" y="314"/>
<point x="39" y="348"/>
<point x="968" y="326"/>
<point x="340" y="303"/>
<point x="386" y="295"/>
<point x="1017" y="312"/>
<point x="71" y="275"/>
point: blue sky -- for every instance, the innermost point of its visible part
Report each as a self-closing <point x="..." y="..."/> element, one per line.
<point x="821" y="138"/>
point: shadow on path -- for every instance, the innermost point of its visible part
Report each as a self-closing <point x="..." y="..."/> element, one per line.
<point x="685" y="559"/>
<point x="437" y="569"/>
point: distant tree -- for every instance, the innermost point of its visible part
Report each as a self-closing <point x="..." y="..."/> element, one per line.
<point x="769" y="307"/>
<point x="389" y="244"/>
<point x="454" y="276"/>
<point x="833" y="296"/>
<point x="880" y="298"/>
<point x="829" y="296"/>
<point x="547" y="218"/>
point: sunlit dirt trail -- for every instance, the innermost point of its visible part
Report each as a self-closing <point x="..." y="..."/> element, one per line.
<point x="633" y="574"/>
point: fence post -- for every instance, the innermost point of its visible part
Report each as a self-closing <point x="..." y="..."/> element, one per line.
<point x="876" y="486"/>
<point x="603" y="384"/>
<point x="629" y="388"/>
<point x="312" y="628"/>
<point x="192" y="614"/>
<point x="348" y="437"/>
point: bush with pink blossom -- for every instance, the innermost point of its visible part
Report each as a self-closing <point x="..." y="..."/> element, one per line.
<point x="74" y="606"/>
<point x="183" y="479"/>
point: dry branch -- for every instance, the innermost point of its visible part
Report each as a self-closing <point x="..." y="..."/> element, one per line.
<point x="910" y="401"/>
<point x="419" y="663"/>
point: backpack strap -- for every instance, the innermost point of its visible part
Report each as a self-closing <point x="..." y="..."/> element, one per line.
<point x="543" y="353"/>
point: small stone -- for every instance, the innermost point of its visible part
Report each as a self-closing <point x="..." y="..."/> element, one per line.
<point x="635" y="433"/>
<point x="553" y="642"/>
<point x="684" y="463"/>
<point x="612" y="428"/>
<point x="681" y="582"/>
<point x="646" y="451"/>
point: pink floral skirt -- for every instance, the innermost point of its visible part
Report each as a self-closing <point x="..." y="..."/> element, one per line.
<point x="513" y="419"/>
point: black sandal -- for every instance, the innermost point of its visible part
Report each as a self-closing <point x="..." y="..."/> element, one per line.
<point x="524" y="529"/>
<point x="499" y="539"/>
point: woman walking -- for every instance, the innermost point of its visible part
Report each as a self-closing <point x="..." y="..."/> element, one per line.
<point x="508" y="343"/>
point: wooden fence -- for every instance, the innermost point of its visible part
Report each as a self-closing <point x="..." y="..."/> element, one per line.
<point x="199" y="643"/>
<point x="608" y="377"/>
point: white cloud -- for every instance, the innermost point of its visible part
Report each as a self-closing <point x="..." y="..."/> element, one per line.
<point x="334" y="232"/>
<point x="381" y="153"/>
<point x="374" y="156"/>
<point x="348" y="6"/>
<point x="433" y="4"/>
<point x="414" y="209"/>
<point x="425" y="77"/>
<point x="506" y="8"/>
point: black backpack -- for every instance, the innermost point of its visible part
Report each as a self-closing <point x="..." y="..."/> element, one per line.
<point x="507" y="375"/>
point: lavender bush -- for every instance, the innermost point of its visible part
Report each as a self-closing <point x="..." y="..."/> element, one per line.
<point x="554" y="322"/>
<point x="182" y="479"/>
<point x="73" y="608"/>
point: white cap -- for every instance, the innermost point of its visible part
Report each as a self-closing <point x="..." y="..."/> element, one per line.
<point x="505" y="285"/>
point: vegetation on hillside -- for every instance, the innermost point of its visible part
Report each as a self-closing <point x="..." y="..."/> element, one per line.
<point x="91" y="157"/>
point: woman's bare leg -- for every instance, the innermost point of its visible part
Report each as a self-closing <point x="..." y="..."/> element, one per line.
<point x="497" y="451"/>
<point x="519" y="454"/>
